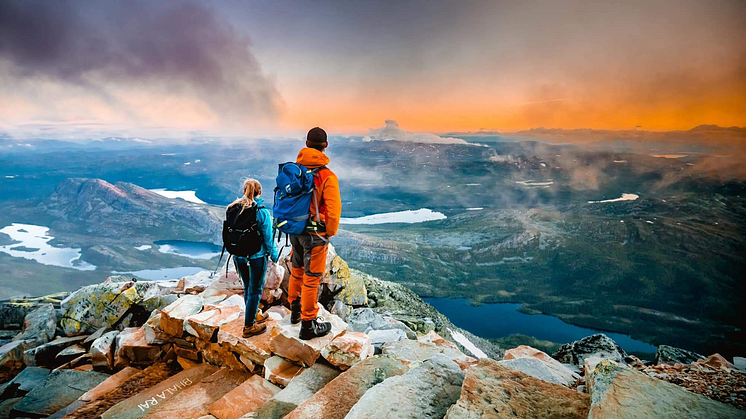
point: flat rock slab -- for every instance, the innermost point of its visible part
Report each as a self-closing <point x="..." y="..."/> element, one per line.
<point x="302" y="388"/>
<point x="255" y="348"/>
<point x="140" y="405"/>
<point x="245" y="398"/>
<point x="280" y="371"/>
<point x="196" y="400"/>
<point x="12" y="352"/>
<point x="621" y="392"/>
<point x="6" y="406"/>
<point x="173" y="316"/>
<point x="27" y="380"/>
<point x="57" y="391"/>
<point x="425" y="391"/>
<point x="286" y="343"/>
<point x="348" y="349"/>
<point x="336" y="399"/>
<point x="493" y="390"/>
<point x="206" y="324"/>
<point x="543" y="370"/>
<point x="111" y="383"/>
<point x="415" y="351"/>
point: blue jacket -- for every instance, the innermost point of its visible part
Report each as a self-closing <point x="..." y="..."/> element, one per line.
<point x="264" y="219"/>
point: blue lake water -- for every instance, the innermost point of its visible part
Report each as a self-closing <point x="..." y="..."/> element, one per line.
<point x="504" y="319"/>
<point x="165" y="273"/>
<point x="194" y="250"/>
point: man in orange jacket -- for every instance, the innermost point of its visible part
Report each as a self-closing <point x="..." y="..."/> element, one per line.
<point x="309" y="249"/>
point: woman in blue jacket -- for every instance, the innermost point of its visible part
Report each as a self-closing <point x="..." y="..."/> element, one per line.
<point x="251" y="270"/>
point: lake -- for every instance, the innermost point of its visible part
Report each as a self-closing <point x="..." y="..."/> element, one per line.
<point x="164" y="273"/>
<point x="32" y="242"/>
<point x="503" y="319"/>
<point x="194" y="250"/>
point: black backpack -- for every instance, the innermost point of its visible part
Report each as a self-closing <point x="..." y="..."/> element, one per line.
<point x="241" y="233"/>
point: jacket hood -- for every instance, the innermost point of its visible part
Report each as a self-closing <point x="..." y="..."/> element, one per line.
<point x="312" y="158"/>
<point x="259" y="201"/>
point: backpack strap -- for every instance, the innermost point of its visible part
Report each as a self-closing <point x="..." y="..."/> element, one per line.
<point x="222" y="252"/>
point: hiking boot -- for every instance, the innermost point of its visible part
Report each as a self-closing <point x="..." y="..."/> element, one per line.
<point x="261" y="317"/>
<point x="317" y="328"/>
<point x="253" y="330"/>
<point x="295" y="311"/>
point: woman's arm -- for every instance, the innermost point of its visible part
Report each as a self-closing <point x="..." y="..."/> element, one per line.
<point x="266" y="226"/>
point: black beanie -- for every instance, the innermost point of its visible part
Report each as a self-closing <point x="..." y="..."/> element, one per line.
<point x="316" y="136"/>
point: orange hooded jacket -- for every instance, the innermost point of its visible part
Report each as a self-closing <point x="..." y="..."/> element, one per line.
<point x="327" y="187"/>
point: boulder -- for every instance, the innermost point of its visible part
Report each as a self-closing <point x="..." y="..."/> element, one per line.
<point x="226" y="285"/>
<point x="153" y="333"/>
<point x="740" y="363"/>
<point x="378" y="338"/>
<point x="622" y="392"/>
<point x="12" y="353"/>
<point x="206" y="324"/>
<point x="245" y="398"/>
<point x="286" y="343"/>
<point x="716" y="362"/>
<point x="173" y="316"/>
<point x="102" y="350"/>
<point x="338" y="278"/>
<point x="57" y="391"/>
<point x="410" y="351"/>
<point x="550" y="369"/>
<point x="348" y="349"/>
<point x="256" y="348"/>
<point x="598" y="345"/>
<point x="6" y="406"/>
<point x="280" y="371"/>
<point x="336" y="399"/>
<point x="425" y="391"/>
<point x="544" y="371"/>
<point x="101" y="305"/>
<point x="218" y="354"/>
<point x="492" y="390"/>
<point x="39" y="326"/>
<point x="46" y="354"/>
<point x="303" y="387"/>
<point x="195" y="284"/>
<point x="131" y="347"/>
<point x="366" y="320"/>
<point x="145" y="401"/>
<point x="71" y="352"/>
<point x="449" y="349"/>
<point x="670" y="355"/>
<point x="195" y="401"/>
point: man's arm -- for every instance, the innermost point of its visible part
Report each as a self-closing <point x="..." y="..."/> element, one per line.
<point x="333" y="202"/>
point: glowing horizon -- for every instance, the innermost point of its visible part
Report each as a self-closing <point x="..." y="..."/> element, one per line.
<point x="226" y="68"/>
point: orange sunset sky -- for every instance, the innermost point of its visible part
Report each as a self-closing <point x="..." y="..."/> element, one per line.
<point x="77" y="69"/>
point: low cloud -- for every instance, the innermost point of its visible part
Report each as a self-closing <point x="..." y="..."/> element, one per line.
<point x="148" y="61"/>
<point x="392" y="132"/>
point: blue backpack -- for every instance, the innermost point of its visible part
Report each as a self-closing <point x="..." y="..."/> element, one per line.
<point x="293" y="195"/>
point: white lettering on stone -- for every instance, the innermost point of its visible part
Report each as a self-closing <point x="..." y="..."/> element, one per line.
<point x="147" y="404"/>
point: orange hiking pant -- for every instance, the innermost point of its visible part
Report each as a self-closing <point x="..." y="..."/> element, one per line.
<point x="308" y="265"/>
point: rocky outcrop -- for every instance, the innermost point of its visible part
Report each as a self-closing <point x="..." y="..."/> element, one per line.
<point x="348" y="349"/>
<point x="57" y="391"/>
<point x="670" y="355"/>
<point x="39" y="326"/>
<point x="621" y="392"/>
<point x="496" y="391"/>
<point x="425" y="391"/>
<point x="598" y="345"/>
<point x="539" y="365"/>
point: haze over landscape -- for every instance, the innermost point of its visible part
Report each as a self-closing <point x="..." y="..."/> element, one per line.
<point x="556" y="168"/>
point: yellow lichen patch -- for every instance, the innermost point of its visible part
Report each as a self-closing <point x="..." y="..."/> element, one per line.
<point x="354" y="292"/>
<point x="96" y="306"/>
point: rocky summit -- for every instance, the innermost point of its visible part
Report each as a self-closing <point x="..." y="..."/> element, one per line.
<point x="125" y="349"/>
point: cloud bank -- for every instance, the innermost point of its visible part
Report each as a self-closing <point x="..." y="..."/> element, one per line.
<point x="145" y="62"/>
<point x="392" y="132"/>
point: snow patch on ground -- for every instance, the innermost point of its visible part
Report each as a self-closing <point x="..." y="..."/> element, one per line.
<point x="475" y="209"/>
<point x="408" y="217"/>
<point x="536" y="183"/>
<point x="625" y="197"/>
<point x="466" y="343"/>
<point x="190" y="196"/>
<point x="144" y="247"/>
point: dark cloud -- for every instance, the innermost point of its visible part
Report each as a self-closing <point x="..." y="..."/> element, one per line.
<point x="175" y="46"/>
